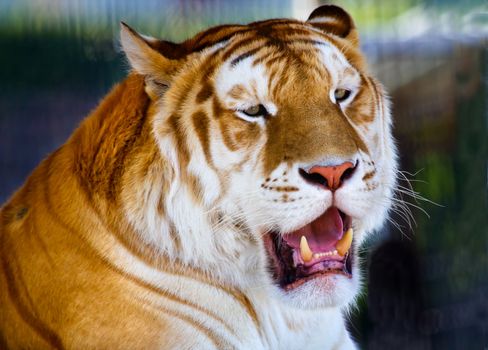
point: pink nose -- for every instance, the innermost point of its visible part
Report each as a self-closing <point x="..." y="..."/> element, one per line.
<point x="333" y="174"/>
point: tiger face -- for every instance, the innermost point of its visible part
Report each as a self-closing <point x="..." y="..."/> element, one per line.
<point x="281" y="153"/>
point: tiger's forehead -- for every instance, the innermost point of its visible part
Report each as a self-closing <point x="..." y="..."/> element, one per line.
<point x="254" y="71"/>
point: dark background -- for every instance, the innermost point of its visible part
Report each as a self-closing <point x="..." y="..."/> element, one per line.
<point x="427" y="285"/>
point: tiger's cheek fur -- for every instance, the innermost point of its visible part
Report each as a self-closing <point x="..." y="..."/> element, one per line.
<point x="208" y="154"/>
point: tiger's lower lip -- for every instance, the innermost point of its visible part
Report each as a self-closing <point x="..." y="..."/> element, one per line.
<point x="299" y="282"/>
<point x="295" y="271"/>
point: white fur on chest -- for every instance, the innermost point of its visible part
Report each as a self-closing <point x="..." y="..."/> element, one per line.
<point x="289" y="328"/>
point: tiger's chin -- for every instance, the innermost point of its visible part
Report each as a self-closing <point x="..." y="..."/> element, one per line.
<point x="314" y="266"/>
<point x="323" y="291"/>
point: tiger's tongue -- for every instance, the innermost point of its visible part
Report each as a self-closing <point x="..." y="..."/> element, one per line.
<point x="322" y="234"/>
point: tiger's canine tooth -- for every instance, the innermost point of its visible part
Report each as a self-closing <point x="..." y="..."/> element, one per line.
<point x="344" y="243"/>
<point x="305" y="251"/>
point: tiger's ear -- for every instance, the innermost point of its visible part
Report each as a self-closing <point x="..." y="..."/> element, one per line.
<point x="157" y="60"/>
<point x="334" y="20"/>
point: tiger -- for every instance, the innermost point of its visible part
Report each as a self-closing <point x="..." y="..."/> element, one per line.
<point x="216" y="198"/>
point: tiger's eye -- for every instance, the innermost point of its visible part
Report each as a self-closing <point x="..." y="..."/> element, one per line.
<point x="341" y="94"/>
<point x="256" y="111"/>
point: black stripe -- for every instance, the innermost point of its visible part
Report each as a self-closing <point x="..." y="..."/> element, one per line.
<point x="243" y="56"/>
<point x="306" y="41"/>
<point x="239" y="45"/>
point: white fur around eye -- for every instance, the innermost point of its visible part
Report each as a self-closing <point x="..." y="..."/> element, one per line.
<point x="261" y="121"/>
<point x="259" y="118"/>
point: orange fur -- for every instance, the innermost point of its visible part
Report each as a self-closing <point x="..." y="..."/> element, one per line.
<point x="64" y="232"/>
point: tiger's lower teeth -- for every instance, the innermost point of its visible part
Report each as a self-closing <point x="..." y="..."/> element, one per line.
<point x="321" y="255"/>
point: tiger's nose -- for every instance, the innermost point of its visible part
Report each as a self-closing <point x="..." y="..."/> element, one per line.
<point x="331" y="177"/>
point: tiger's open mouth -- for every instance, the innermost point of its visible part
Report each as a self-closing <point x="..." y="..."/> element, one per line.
<point x="319" y="248"/>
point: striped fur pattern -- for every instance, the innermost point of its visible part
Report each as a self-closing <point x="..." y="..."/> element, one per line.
<point x="145" y="230"/>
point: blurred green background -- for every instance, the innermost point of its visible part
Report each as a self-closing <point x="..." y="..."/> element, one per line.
<point x="427" y="285"/>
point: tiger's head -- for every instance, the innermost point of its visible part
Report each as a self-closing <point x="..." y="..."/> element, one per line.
<point x="280" y="149"/>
